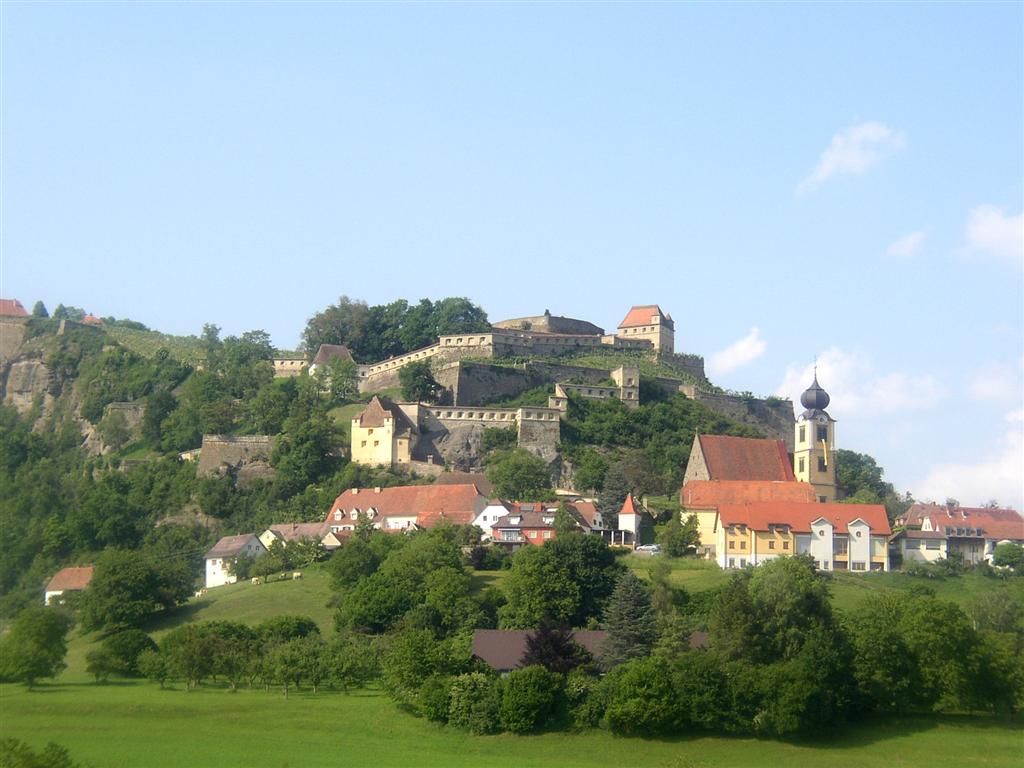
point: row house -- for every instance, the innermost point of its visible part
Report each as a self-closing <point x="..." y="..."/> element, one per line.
<point x="406" y="507"/>
<point x="533" y="523"/>
<point x="839" y="537"/>
<point x="938" y="531"/>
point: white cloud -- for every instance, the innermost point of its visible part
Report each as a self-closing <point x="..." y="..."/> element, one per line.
<point x="997" y="383"/>
<point x="857" y="389"/>
<point x="852" y="151"/>
<point x="995" y="476"/>
<point x="990" y="232"/>
<point x="906" y="247"/>
<point x="738" y="354"/>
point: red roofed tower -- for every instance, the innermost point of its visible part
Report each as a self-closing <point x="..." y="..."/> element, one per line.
<point x="649" y="322"/>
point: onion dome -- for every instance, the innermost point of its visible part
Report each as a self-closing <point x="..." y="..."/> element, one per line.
<point x="814" y="397"/>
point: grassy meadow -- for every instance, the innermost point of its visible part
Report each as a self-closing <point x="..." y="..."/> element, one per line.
<point x="135" y="723"/>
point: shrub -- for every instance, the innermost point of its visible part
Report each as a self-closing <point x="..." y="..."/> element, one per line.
<point x="100" y="663"/>
<point x="641" y="699"/>
<point x="530" y="699"/>
<point x="431" y="700"/>
<point x="473" y="703"/>
<point x="124" y="649"/>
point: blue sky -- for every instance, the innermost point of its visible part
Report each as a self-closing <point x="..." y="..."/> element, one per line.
<point x="789" y="181"/>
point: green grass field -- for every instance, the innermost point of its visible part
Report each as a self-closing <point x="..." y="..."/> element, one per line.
<point x="137" y="724"/>
<point x="129" y="723"/>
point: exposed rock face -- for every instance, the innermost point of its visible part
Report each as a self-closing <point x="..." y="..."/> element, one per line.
<point x="12" y="333"/>
<point x="460" y="447"/>
<point x="224" y="455"/>
<point x="132" y="413"/>
<point x="25" y="381"/>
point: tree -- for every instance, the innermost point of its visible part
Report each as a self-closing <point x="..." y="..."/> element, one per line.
<point x="353" y="562"/>
<point x="529" y="699"/>
<point x="100" y="663"/>
<point x="538" y="586"/>
<point x="39" y="310"/>
<point x="338" y="378"/>
<point x="153" y="666"/>
<point x="124" y="649"/>
<point x="677" y="538"/>
<point x="552" y="646"/>
<point x="418" y="382"/>
<point x="36" y="645"/>
<point x="17" y="754"/>
<point x="564" y="522"/>
<point x="1009" y="555"/>
<point x="613" y="494"/>
<point x="630" y="622"/>
<point x="642" y="700"/>
<point x="123" y="591"/>
<point x="114" y="429"/>
<point x="519" y="475"/>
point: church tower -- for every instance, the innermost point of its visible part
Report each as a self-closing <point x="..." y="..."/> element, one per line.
<point x="814" y="444"/>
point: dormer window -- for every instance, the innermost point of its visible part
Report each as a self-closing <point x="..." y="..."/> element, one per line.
<point x="338" y="514"/>
<point x="355" y="514"/>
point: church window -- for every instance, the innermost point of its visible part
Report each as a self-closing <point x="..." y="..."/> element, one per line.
<point x="823" y="499"/>
<point x="800" y="464"/>
<point x="822" y="467"/>
<point x="803" y="433"/>
<point x="822" y="433"/>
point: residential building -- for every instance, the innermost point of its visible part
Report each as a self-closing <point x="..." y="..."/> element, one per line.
<point x="814" y="443"/>
<point x="723" y="457"/>
<point x="839" y="537"/>
<point x="327" y="352"/>
<point x="73" y="579"/>
<point x="533" y="523"/>
<point x="495" y="510"/>
<point x="647" y="322"/>
<point x="938" y="531"/>
<point x="704" y="497"/>
<point x="221" y="557"/>
<point x="286" y="533"/>
<point x="406" y="507"/>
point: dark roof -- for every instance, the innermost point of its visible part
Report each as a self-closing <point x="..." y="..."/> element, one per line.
<point x="485" y="486"/>
<point x="745" y="458"/>
<point x="231" y="545"/>
<point x="379" y="409"/>
<point x="503" y="649"/>
<point x="299" y="531"/>
<point x="330" y="351"/>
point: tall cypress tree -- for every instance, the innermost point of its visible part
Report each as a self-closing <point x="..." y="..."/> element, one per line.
<point x="630" y="622"/>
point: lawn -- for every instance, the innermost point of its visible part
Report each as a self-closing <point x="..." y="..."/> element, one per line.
<point x="137" y="724"/>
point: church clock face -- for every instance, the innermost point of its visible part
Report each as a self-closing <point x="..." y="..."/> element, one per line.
<point x="821" y="419"/>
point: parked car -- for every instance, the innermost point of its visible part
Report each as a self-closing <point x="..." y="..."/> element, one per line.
<point x="652" y="549"/>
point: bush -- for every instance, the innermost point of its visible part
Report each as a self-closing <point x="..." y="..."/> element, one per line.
<point x="473" y="703"/>
<point x="641" y="699"/>
<point x="100" y="663"/>
<point x="530" y="699"/>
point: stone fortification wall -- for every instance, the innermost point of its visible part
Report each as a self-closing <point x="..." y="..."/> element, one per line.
<point x="223" y="453"/>
<point x="771" y="416"/>
<point x="12" y="333"/>
<point x="691" y="364"/>
<point x="539" y="432"/>
<point x="548" y="323"/>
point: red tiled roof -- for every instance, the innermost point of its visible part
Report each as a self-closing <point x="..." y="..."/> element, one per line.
<point x="12" y="308"/>
<point x="712" y="493"/>
<point x="71" y="579"/>
<point x="92" y="320"/>
<point x="642" y="314"/>
<point x="587" y="510"/>
<point x="745" y="458"/>
<point x="330" y="351"/>
<point x="629" y="506"/>
<point x="459" y="504"/>
<point x="800" y="515"/>
<point x="995" y="523"/>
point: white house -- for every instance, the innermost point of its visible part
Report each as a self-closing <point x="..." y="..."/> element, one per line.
<point x="222" y="555"/>
<point x="938" y="531"/>
<point x="73" y="579"/>
<point x="494" y="511"/>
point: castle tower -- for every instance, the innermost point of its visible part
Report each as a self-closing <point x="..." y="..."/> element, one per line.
<point x="648" y="322"/>
<point x="814" y="443"/>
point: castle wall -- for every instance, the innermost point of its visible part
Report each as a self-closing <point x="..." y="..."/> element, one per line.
<point x="12" y="333"/>
<point x="772" y="417"/>
<point x="550" y="324"/>
<point x="235" y="452"/>
<point x="539" y="432"/>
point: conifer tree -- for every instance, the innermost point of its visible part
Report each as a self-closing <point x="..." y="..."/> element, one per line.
<point x="630" y="622"/>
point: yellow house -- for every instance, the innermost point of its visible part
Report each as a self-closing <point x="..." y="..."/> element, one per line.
<point x="382" y="435"/>
<point x="649" y="323"/>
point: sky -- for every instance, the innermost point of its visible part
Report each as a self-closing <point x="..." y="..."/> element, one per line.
<point x="839" y="183"/>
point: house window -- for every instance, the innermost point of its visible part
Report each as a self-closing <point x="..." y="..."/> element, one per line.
<point x="785" y="545"/>
<point x="933" y="544"/>
<point x="547" y="534"/>
<point x="732" y="562"/>
<point x="911" y="544"/>
<point x="338" y="514"/>
<point x="856" y="566"/>
<point x="363" y="444"/>
<point x="369" y="431"/>
<point x="376" y="443"/>
<point x="803" y="433"/>
<point x="732" y="545"/>
<point x="771" y="545"/>
<point x="743" y="545"/>
<point x="743" y="562"/>
<point x="824" y="565"/>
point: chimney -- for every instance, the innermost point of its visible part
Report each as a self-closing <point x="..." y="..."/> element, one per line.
<point x="355" y="491"/>
<point x="377" y="489"/>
